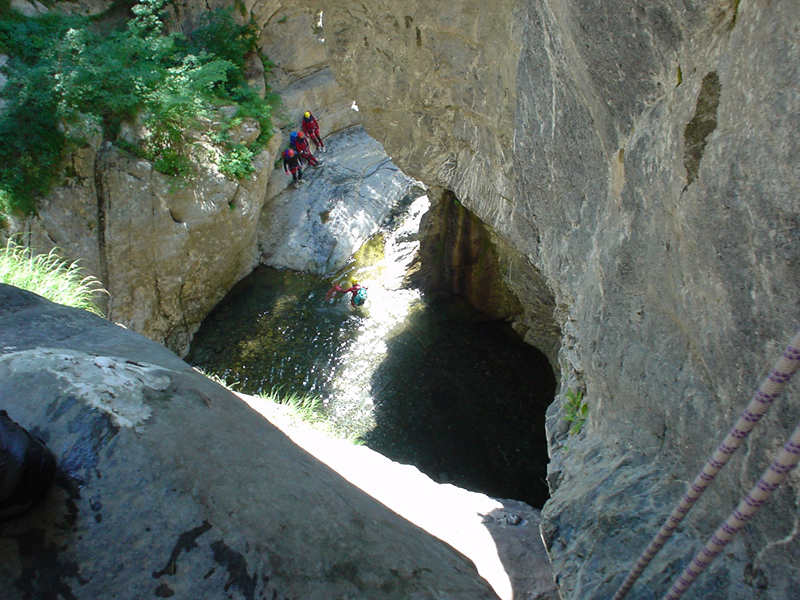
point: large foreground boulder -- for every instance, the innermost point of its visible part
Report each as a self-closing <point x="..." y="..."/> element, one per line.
<point x="169" y="485"/>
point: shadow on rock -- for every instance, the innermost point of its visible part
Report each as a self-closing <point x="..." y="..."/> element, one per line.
<point x="515" y="531"/>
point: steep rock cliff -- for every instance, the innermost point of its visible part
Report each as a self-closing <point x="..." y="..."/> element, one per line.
<point x="166" y="252"/>
<point x="638" y="162"/>
<point x="642" y="156"/>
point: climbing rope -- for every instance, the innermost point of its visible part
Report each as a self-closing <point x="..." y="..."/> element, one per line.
<point x="769" y="389"/>
<point x="785" y="461"/>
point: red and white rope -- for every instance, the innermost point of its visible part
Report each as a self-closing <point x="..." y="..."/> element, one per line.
<point x="769" y="389"/>
<point x="774" y="476"/>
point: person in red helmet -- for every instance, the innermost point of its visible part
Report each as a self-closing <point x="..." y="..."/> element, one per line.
<point x="302" y="148"/>
<point x="310" y="127"/>
<point x="357" y="299"/>
<point x="293" y="165"/>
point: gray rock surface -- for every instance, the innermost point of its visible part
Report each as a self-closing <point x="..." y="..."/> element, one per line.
<point x="317" y="227"/>
<point x="638" y="160"/>
<point x="165" y="251"/>
<point x="169" y="485"/>
<point x="500" y="536"/>
<point x="642" y="156"/>
<point x="169" y="255"/>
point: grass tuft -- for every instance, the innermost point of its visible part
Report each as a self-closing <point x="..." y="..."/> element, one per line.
<point x="297" y="407"/>
<point x="50" y="276"/>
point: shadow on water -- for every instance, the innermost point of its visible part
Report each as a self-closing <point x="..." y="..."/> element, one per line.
<point x="463" y="399"/>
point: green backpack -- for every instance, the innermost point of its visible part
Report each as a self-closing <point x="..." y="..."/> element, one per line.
<point x="360" y="296"/>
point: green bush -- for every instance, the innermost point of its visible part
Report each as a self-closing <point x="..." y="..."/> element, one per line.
<point x="576" y="410"/>
<point x="238" y="163"/>
<point x="66" y="71"/>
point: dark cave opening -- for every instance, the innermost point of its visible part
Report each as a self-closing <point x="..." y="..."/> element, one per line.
<point x="463" y="398"/>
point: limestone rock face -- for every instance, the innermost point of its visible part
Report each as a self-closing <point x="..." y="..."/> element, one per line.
<point x="165" y="252"/>
<point x="293" y="38"/>
<point x="434" y="82"/>
<point x="168" y="484"/>
<point x="667" y="227"/>
<point x="172" y="254"/>
<point x="643" y="158"/>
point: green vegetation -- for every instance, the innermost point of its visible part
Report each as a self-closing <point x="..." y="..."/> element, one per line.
<point x="575" y="410"/>
<point x="298" y="407"/>
<point x="73" y="77"/>
<point x="284" y="408"/>
<point x="50" y="276"/>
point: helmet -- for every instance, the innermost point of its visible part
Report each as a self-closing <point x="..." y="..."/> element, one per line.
<point x="300" y="134"/>
<point x="306" y="114"/>
<point x="289" y="152"/>
<point x="292" y="135"/>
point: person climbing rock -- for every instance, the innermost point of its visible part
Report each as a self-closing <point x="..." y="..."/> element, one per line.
<point x="310" y="127"/>
<point x="293" y="165"/>
<point x="304" y="150"/>
<point x="27" y="469"/>
<point x="357" y="299"/>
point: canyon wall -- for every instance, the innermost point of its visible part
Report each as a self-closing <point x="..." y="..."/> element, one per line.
<point x="642" y="158"/>
<point x="166" y="252"/>
<point x="635" y="166"/>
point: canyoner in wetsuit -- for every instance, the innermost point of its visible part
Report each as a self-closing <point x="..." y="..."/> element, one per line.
<point x="310" y="127"/>
<point x="300" y="145"/>
<point x="357" y="299"/>
<point x="292" y="164"/>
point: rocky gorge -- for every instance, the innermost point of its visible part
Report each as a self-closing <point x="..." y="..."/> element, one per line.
<point x="623" y="177"/>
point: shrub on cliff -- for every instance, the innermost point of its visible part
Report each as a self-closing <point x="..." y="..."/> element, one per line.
<point x="70" y="77"/>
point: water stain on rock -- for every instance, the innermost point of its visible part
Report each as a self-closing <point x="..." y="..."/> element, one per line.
<point x="186" y="542"/>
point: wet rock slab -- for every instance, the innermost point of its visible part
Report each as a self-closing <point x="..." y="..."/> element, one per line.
<point x="317" y="226"/>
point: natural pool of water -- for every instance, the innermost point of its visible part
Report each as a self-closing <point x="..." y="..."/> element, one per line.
<point x="434" y="384"/>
